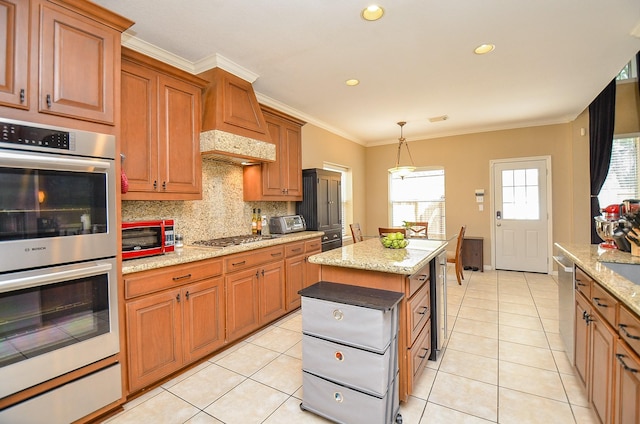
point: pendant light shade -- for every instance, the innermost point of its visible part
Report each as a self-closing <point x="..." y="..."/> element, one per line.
<point x="402" y="171"/>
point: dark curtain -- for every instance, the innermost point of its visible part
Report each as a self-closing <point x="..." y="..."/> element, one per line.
<point x="601" y="120"/>
<point x="638" y="69"/>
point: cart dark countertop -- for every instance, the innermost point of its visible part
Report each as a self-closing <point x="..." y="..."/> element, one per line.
<point x="592" y="259"/>
<point x="353" y="295"/>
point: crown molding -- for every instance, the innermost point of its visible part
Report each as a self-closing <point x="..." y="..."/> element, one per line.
<point x="217" y="60"/>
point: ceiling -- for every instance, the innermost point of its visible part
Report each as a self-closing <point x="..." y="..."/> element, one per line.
<point x="551" y="58"/>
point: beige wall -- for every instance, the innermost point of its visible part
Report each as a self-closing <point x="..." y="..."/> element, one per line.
<point x="466" y="161"/>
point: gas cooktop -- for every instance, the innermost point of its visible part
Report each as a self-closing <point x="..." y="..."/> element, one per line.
<point x="232" y="241"/>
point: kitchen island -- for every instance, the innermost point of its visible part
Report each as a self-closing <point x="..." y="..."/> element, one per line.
<point x="410" y="271"/>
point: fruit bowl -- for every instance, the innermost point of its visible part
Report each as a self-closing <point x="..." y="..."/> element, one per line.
<point x="394" y="241"/>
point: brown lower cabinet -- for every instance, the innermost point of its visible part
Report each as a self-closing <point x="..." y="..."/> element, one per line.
<point x="179" y="314"/>
<point x="627" y="376"/>
<point x="171" y="328"/>
<point x="300" y="273"/>
<point x="606" y="358"/>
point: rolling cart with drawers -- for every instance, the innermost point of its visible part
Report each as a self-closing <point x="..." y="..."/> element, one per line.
<point x="350" y="353"/>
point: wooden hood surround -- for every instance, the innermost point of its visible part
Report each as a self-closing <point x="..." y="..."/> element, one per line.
<point x="233" y="127"/>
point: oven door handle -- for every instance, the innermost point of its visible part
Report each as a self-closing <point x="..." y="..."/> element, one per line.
<point x="31" y="279"/>
<point x="23" y="160"/>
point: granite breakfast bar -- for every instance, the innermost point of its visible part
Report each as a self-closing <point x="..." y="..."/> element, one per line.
<point x="408" y="271"/>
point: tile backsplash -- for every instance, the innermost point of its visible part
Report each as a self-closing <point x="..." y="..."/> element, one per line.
<point x="221" y="213"/>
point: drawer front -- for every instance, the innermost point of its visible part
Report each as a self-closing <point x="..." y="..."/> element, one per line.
<point x="344" y="405"/>
<point x="253" y="258"/>
<point x="364" y="328"/>
<point x="419" y="352"/>
<point x="583" y="283"/>
<point x="313" y="246"/>
<point x="294" y="249"/>
<point x="420" y="311"/>
<point x="604" y="303"/>
<point x="146" y="282"/>
<point x="359" y="369"/>
<point x="629" y="329"/>
<point x="417" y="280"/>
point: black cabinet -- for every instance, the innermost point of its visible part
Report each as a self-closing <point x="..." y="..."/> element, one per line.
<point x="321" y="205"/>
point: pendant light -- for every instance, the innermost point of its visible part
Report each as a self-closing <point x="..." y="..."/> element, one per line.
<point x="402" y="171"/>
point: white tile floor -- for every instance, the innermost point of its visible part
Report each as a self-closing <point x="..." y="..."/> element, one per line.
<point x="504" y="363"/>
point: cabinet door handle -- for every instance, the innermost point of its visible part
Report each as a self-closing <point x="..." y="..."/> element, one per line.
<point x="423" y="277"/>
<point x="424" y="310"/>
<point x="596" y="300"/>
<point x="164" y="185"/>
<point x="623" y="328"/>
<point x="155" y="184"/>
<point x="586" y="317"/>
<point x="182" y="277"/>
<point x="239" y="263"/>
<point x="187" y="295"/>
<point x="579" y="283"/>
<point x="620" y="357"/>
<point x="262" y="272"/>
<point x="426" y="353"/>
<point x="49" y="101"/>
<point x="178" y="297"/>
<point x="22" y="95"/>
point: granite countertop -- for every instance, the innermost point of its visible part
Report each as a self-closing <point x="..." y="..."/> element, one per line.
<point x="589" y="257"/>
<point x="191" y="253"/>
<point x="370" y="255"/>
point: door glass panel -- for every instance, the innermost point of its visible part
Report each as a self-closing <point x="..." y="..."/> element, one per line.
<point x="41" y="319"/>
<point x="520" y="194"/>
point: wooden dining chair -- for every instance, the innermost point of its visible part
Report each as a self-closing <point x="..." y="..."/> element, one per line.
<point x="356" y="232"/>
<point x="419" y="228"/>
<point x="456" y="256"/>
<point x="383" y="231"/>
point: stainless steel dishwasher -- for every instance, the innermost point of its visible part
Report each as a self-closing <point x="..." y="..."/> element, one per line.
<point x="566" y="303"/>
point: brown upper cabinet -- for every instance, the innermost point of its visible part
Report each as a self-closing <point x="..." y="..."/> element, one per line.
<point x="160" y="132"/>
<point x="280" y="180"/>
<point x="60" y="59"/>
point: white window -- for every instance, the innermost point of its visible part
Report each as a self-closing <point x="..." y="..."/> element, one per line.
<point x="520" y="199"/>
<point x="346" y="184"/>
<point x="628" y="72"/>
<point x="419" y="197"/>
<point x="623" y="178"/>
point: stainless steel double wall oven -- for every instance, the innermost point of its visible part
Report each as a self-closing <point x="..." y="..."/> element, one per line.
<point x="58" y="276"/>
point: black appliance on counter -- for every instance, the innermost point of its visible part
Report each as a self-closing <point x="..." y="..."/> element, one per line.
<point x="321" y="205"/>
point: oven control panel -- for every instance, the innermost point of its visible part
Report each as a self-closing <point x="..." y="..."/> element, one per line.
<point x="40" y="137"/>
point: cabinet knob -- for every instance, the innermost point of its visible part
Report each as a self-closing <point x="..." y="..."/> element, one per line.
<point x="49" y="101"/>
<point x="164" y="185"/>
<point x="187" y="295"/>
<point x="155" y="184"/>
<point x="22" y="95"/>
<point x="178" y="297"/>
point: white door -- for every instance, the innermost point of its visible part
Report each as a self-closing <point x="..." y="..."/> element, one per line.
<point x="521" y="215"/>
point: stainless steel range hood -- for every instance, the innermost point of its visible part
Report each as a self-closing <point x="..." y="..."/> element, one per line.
<point x="233" y="128"/>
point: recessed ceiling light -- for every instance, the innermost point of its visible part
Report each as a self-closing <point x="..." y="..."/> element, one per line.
<point x="439" y="118"/>
<point x="352" y="82"/>
<point x="484" y="48"/>
<point x="372" y="13"/>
